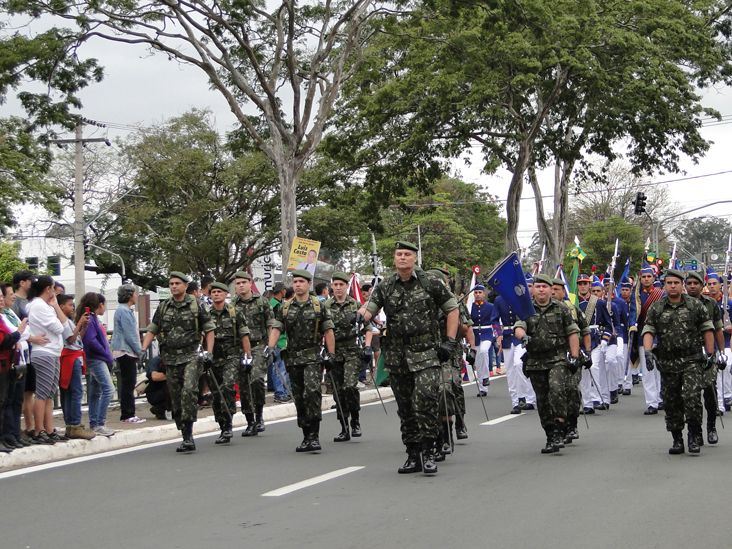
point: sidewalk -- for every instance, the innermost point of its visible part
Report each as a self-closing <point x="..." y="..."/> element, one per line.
<point x="153" y="430"/>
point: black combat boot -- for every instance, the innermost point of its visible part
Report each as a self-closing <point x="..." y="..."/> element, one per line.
<point x="260" y="419"/>
<point x="344" y="435"/>
<point x="712" y="437"/>
<point x="187" y="445"/>
<point x="693" y="439"/>
<point x="226" y="434"/>
<point x="613" y="397"/>
<point x="550" y="447"/>
<point x="429" y="467"/>
<point x="315" y="437"/>
<point x="305" y="444"/>
<point x="446" y="448"/>
<point x="559" y="434"/>
<point x="251" y="430"/>
<point x="413" y="463"/>
<point x="461" y="431"/>
<point x="678" y="445"/>
<point x="355" y="425"/>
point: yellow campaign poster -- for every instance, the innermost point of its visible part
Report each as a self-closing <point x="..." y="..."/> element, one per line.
<point x="304" y="255"/>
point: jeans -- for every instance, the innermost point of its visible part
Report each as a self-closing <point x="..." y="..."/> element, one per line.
<point x="71" y="397"/>
<point x="100" y="392"/>
<point x="128" y="378"/>
<point x="280" y="389"/>
<point x="12" y="408"/>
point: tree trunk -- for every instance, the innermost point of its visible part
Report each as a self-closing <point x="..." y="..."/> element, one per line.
<point x="546" y="236"/>
<point x="289" y="175"/>
<point x="562" y="174"/>
<point x="513" y="200"/>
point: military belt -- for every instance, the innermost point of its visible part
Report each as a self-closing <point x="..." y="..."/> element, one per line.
<point x="676" y="355"/>
<point x="411" y="340"/>
<point x="543" y="356"/>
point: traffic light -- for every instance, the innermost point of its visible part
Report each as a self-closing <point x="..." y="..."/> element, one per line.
<point x="640" y="203"/>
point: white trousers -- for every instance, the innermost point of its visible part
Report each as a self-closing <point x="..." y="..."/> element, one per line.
<point x="482" y="363"/>
<point x="651" y="381"/>
<point x="518" y="385"/>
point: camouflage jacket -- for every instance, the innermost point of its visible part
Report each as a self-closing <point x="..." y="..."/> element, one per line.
<point x="230" y="328"/>
<point x="305" y="323"/>
<point x="411" y="308"/>
<point x="579" y="317"/>
<point x="178" y="326"/>
<point x="344" y="327"/>
<point x="259" y="317"/>
<point x="548" y="331"/>
<point x="678" y="327"/>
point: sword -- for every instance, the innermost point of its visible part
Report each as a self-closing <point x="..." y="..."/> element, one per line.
<point x="592" y="378"/>
<point x="475" y="377"/>
<point x="447" y="415"/>
<point x="212" y="376"/>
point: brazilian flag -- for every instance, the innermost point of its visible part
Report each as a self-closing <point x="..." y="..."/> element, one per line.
<point x="381" y="374"/>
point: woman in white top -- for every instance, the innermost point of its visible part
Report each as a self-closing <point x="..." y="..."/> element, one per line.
<point x="45" y="317"/>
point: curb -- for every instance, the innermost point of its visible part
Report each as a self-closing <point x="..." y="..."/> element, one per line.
<point x="40" y="454"/>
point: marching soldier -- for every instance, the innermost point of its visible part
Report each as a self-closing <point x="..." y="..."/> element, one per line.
<point x="411" y="299"/>
<point x="178" y="324"/>
<point x="306" y="321"/>
<point x="252" y="389"/>
<point x="348" y="355"/>
<point x="629" y="377"/>
<point x="694" y="285"/>
<point x="679" y="324"/>
<point x="724" y="384"/>
<point x="231" y="349"/>
<point x="574" y="397"/>
<point x="552" y="352"/>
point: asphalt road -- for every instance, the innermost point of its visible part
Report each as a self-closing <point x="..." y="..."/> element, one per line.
<point x="615" y="487"/>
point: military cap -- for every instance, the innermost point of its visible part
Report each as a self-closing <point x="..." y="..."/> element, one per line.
<point x="404" y="245"/>
<point x="584" y="277"/>
<point x="608" y="280"/>
<point x="596" y="283"/>
<point x="343" y="277"/>
<point x="529" y="278"/>
<point x="712" y="276"/>
<point x="302" y="273"/>
<point x="557" y="282"/>
<point x="219" y="286"/>
<point x="697" y="275"/>
<point x="178" y="274"/>
<point x="657" y="284"/>
<point x="543" y="279"/>
<point x="674" y="273"/>
<point x="443" y="270"/>
<point x="242" y="274"/>
<point x="479" y="287"/>
<point x="626" y="284"/>
<point x="647" y="270"/>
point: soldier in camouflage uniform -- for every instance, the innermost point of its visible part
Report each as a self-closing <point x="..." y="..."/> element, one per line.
<point x="452" y="401"/>
<point x="552" y="353"/>
<point x="412" y="351"/>
<point x="178" y="324"/>
<point x="694" y="285"/>
<point x="573" y="394"/>
<point x="348" y="355"/>
<point x="252" y="389"/>
<point x="679" y="323"/>
<point x="231" y="348"/>
<point x="306" y="321"/>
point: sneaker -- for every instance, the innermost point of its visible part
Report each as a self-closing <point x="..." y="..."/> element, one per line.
<point x="80" y="432"/>
<point x="134" y="419"/>
<point x="43" y="438"/>
<point x="57" y="437"/>
<point x="101" y="430"/>
<point x="282" y="398"/>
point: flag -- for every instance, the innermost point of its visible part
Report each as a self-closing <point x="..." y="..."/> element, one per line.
<point x="354" y="289"/>
<point x="577" y="252"/>
<point x="508" y="281"/>
<point x="381" y="374"/>
<point x="650" y="257"/>
<point x="625" y="277"/>
<point x="572" y="282"/>
<point x="471" y="296"/>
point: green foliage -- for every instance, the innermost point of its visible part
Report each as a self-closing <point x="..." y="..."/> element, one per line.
<point x="702" y="234"/>
<point x="598" y="241"/>
<point x="10" y="262"/>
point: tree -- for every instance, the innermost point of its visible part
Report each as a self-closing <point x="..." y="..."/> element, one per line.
<point x="702" y="235"/>
<point x="10" y="262"/>
<point x="191" y="205"/>
<point x="598" y="241"/>
<point x="286" y="62"/>
<point x="543" y="84"/>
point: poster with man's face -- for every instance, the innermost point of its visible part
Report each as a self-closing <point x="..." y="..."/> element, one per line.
<point x="304" y="255"/>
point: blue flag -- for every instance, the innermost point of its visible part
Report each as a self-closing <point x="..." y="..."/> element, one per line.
<point x="508" y="281"/>
<point x="625" y="277"/>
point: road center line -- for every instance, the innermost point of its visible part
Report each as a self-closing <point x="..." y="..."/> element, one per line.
<point x="312" y="481"/>
<point x="501" y="419"/>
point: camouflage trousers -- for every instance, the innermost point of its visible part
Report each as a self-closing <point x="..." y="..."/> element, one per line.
<point x="573" y="396"/>
<point x="345" y="374"/>
<point x="451" y="390"/>
<point x="252" y="388"/>
<point x="681" y="385"/>
<point x="550" y="387"/>
<point x="225" y="371"/>
<point x="183" y="388"/>
<point x="417" y="395"/>
<point x="305" y="381"/>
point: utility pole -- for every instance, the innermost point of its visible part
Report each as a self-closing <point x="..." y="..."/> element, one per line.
<point x="79" y="227"/>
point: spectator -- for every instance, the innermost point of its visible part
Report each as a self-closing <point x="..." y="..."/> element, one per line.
<point x="99" y="360"/>
<point x="276" y="371"/>
<point x="126" y="350"/>
<point x="59" y="288"/>
<point x="206" y="289"/>
<point x="22" y="281"/>
<point x="45" y="317"/>
<point x="321" y="290"/>
<point x="72" y="369"/>
<point x="9" y="339"/>
<point x="157" y="389"/>
<point x="10" y="415"/>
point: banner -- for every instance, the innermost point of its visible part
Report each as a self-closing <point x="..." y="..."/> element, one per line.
<point x="304" y="255"/>
<point x="508" y="281"/>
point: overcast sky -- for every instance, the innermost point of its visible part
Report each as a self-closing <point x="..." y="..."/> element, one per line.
<point x="143" y="89"/>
